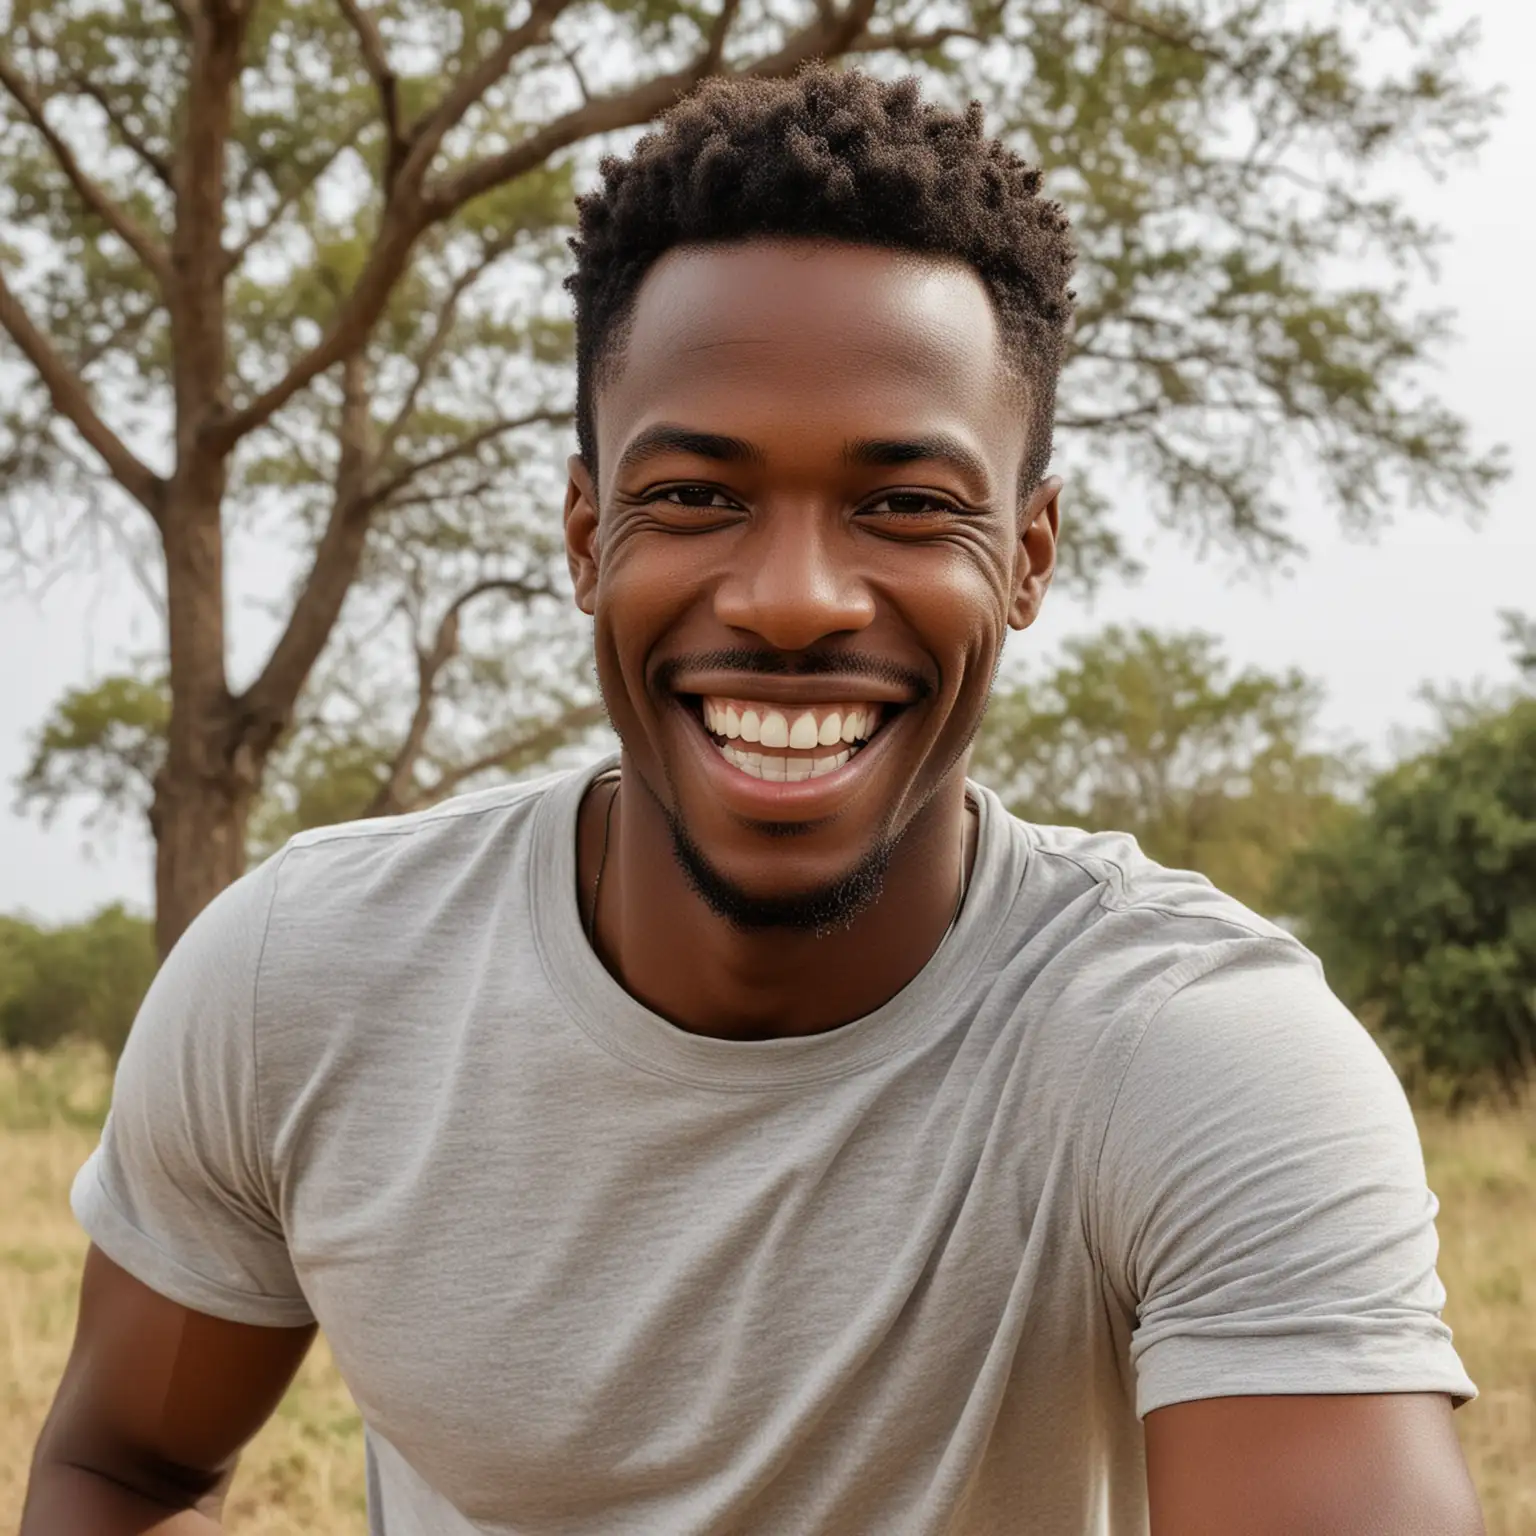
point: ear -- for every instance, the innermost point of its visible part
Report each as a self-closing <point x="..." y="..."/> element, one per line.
<point x="1039" y="527"/>
<point x="581" y="546"/>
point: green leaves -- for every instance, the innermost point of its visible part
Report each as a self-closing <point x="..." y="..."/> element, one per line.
<point x="83" y="981"/>
<point x="1423" y="905"/>
<point x="104" y="744"/>
<point x="1154" y="735"/>
<point x="1218" y="162"/>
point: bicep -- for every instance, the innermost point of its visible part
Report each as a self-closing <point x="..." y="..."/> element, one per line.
<point x="160" y="1397"/>
<point x="1369" y="1465"/>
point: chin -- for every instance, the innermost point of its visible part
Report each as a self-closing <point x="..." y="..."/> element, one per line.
<point x="754" y="907"/>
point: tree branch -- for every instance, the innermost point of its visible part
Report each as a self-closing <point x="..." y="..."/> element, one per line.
<point x="538" y="742"/>
<point x="913" y="42"/>
<point x="386" y="82"/>
<point x="71" y="399"/>
<point x="199" y="304"/>
<point x="126" y="331"/>
<point x="833" y="33"/>
<point x="1117" y="11"/>
<point x="428" y="133"/>
<point x="714" y="50"/>
<point x="266" y="708"/>
<point x="152" y="159"/>
<point x="286" y="199"/>
<point x="381" y="494"/>
<point x="1110" y="418"/>
<point x="574" y="63"/>
<point x="429" y="664"/>
<point x="117" y="219"/>
<point x="441" y="331"/>
<point x="412" y="208"/>
<point x="349" y="328"/>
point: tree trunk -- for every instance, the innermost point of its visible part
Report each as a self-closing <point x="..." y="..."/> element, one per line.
<point x="207" y="783"/>
<point x="199" y="825"/>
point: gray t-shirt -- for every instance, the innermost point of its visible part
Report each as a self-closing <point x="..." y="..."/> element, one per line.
<point x="1116" y="1146"/>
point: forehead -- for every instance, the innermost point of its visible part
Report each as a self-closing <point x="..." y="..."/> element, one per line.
<point x="764" y="336"/>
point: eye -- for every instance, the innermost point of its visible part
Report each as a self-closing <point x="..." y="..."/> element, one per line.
<point x="697" y="496"/>
<point x="913" y="504"/>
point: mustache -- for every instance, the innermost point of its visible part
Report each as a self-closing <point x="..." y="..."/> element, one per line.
<point x="812" y="663"/>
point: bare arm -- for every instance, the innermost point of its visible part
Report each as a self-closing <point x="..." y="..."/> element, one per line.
<point x="154" y="1408"/>
<point x="1385" y="1465"/>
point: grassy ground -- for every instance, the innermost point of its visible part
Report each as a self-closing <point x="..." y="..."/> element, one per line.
<point x="304" y="1472"/>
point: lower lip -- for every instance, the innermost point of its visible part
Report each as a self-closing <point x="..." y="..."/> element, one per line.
<point x="772" y="800"/>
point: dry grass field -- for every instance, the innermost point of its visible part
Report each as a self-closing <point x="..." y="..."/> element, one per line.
<point x="304" y="1472"/>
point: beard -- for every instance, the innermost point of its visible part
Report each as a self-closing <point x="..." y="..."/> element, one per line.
<point x="818" y="911"/>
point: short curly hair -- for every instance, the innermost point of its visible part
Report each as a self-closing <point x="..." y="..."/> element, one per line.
<point x="832" y="155"/>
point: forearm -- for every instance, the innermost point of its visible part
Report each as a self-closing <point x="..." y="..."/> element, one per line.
<point x="65" y="1500"/>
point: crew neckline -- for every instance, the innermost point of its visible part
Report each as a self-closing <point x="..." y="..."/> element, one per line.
<point x="628" y="1030"/>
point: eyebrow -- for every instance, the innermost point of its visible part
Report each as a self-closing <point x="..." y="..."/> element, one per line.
<point x="667" y="437"/>
<point x="936" y="447"/>
<point x="875" y="452"/>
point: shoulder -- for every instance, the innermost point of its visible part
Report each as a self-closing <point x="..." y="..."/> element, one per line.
<point x="1107" y="936"/>
<point x="1190" y="984"/>
<point x="360" y="879"/>
<point x="352" y="905"/>
<point x="1127" y="884"/>
<point x="487" y="816"/>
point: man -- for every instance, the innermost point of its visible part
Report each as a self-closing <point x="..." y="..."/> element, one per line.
<point x="771" y="1134"/>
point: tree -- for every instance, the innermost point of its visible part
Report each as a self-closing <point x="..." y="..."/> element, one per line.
<point x="83" y="981"/>
<point x="1151" y="734"/>
<point x="284" y="270"/>
<point x="1422" y="904"/>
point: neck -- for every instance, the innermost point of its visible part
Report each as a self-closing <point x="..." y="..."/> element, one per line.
<point x="673" y="953"/>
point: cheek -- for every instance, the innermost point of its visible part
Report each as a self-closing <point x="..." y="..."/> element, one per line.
<point x="957" y="598"/>
<point x="643" y="586"/>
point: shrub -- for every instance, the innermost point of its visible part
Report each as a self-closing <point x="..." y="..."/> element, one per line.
<point x="82" y="982"/>
<point x="1423" y="906"/>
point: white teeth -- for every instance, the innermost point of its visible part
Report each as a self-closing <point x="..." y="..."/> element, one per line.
<point x="800" y="731"/>
<point x="790" y="770"/>
<point x="803" y="734"/>
<point x="775" y="729"/>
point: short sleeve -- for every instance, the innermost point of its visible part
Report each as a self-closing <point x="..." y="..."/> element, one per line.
<point x="1262" y="1201"/>
<point x="178" y="1192"/>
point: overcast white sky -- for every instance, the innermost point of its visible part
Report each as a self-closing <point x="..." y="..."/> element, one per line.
<point x="1372" y="621"/>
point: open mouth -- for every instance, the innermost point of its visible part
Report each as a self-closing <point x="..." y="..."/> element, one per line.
<point x="789" y="743"/>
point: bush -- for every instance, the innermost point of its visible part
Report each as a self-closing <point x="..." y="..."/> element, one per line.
<point x="1423" y="906"/>
<point x="80" y="982"/>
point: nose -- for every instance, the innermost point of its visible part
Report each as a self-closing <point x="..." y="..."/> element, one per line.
<point x="794" y="582"/>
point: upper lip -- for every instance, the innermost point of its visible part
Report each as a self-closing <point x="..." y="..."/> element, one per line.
<point x="778" y="688"/>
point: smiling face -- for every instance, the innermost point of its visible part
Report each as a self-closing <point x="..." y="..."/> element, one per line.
<point x="803" y="550"/>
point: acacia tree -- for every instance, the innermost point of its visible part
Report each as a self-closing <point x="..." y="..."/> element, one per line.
<point x="284" y="270"/>
<point x="1154" y="734"/>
